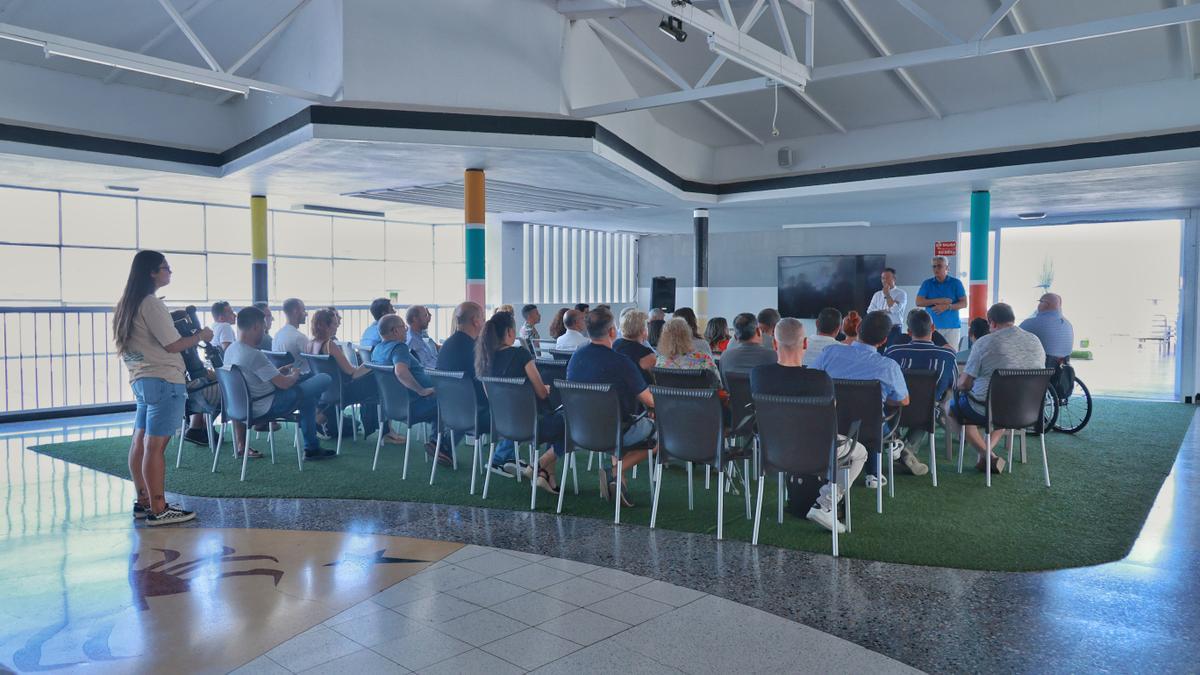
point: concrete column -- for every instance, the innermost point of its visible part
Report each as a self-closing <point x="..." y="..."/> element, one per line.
<point x="700" y="266"/>
<point x="981" y="207"/>
<point x="474" y="207"/>
<point x="258" y="248"/>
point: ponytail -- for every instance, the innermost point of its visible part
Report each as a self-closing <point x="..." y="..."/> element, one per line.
<point x="491" y="340"/>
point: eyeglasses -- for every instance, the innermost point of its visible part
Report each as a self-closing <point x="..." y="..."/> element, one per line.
<point x="164" y="268"/>
<point x="938" y="267"/>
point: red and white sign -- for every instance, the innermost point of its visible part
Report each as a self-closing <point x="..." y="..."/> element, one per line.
<point x="945" y="248"/>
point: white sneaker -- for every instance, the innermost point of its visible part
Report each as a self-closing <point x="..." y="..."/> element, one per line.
<point x="825" y="519"/>
<point x="873" y="482"/>
<point x="510" y="468"/>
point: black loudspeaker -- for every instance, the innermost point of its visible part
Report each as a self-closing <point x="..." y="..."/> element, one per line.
<point x="662" y="294"/>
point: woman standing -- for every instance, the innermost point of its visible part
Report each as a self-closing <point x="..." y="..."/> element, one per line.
<point x="150" y="346"/>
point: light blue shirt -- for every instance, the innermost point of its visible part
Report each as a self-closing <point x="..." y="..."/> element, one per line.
<point x="859" y="361"/>
<point x="370" y="336"/>
<point x="423" y="348"/>
<point x="952" y="289"/>
<point x="1055" y="332"/>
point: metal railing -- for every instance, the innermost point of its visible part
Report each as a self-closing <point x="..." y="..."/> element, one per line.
<point x="64" y="357"/>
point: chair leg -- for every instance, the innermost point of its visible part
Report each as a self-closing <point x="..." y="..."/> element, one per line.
<point x="338" y="421"/>
<point x="575" y="473"/>
<point x="891" y="475"/>
<point x="962" y="446"/>
<point x="932" y="456"/>
<point x="475" y="463"/>
<point x="758" y="511"/>
<point x="591" y="455"/>
<point x="779" y="497"/>
<point x="217" y="452"/>
<point x="245" y="450"/>
<point x="746" y="485"/>
<point x="1012" y="441"/>
<point x="533" y="462"/>
<point x="453" y="452"/>
<point x="562" y="483"/>
<point x="1024" y="460"/>
<point x="378" y="444"/>
<point x="182" y="431"/>
<point x="633" y="476"/>
<point x="658" y="493"/>
<point x="271" y="441"/>
<point x="487" y="477"/>
<point x="987" y="456"/>
<point x="707" y="471"/>
<point x="620" y="480"/>
<point x="1045" y="461"/>
<point x="296" y="444"/>
<point x="407" y="445"/>
<point x="879" y="484"/>
<point x="436" y="453"/>
<point x="720" y="504"/>
<point x="846" y="496"/>
<point x="689" y="473"/>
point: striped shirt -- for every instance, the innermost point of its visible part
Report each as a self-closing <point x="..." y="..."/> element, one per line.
<point x="1055" y="332"/>
<point x="924" y="355"/>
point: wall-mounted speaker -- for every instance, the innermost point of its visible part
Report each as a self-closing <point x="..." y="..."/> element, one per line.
<point x="785" y="157"/>
<point x="662" y="294"/>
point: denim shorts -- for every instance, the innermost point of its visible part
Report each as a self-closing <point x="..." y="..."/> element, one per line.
<point x="160" y="405"/>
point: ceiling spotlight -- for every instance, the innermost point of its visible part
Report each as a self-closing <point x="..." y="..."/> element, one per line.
<point x="1031" y="216"/>
<point x="672" y="26"/>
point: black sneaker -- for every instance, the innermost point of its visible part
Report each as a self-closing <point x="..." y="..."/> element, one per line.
<point x="173" y="515"/>
<point x="198" y="436"/>
<point x="139" y="512"/>
<point x="315" y="454"/>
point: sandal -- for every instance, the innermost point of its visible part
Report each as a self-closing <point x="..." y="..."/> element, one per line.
<point x="254" y="454"/>
<point x="544" y="481"/>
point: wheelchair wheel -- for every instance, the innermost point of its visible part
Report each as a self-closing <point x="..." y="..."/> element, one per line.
<point x="1075" y="411"/>
<point x="1049" y="411"/>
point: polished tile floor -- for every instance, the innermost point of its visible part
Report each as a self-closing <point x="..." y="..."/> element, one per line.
<point x="1137" y="614"/>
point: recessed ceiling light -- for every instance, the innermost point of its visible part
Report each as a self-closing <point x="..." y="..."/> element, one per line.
<point x="812" y="226"/>
<point x="1033" y="215"/>
<point x="122" y="188"/>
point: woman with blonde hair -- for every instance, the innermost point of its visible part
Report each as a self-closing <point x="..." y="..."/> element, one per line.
<point x="357" y="385"/>
<point x="677" y="350"/>
<point x="632" y="342"/>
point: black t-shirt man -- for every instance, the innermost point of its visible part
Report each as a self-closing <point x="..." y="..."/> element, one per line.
<point x="779" y="380"/>
<point x="597" y="364"/>
<point x="634" y="351"/>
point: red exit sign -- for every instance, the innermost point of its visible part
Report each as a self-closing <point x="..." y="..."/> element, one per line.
<point x="945" y="248"/>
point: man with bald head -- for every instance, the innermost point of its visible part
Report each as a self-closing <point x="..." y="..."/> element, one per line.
<point x="574" y="338"/>
<point x="789" y="377"/>
<point x="1055" y="332"/>
<point x="422" y="346"/>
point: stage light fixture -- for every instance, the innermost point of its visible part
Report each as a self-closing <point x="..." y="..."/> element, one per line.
<point x="672" y="26"/>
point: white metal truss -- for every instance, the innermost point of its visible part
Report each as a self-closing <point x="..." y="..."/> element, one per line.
<point x="1034" y="56"/>
<point x="880" y="46"/>
<point x="1191" y="52"/>
<point x="190" y="35"/>
<point x="930" y="21"/>
<point x="163" y="34"/>
<point x="263" y="42"/>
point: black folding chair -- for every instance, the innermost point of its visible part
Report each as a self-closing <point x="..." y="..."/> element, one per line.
<point x="1014" y="403"/>
<point x="364" y="354"/>
<point x="561" y="354"/>
<point x="921" y="411"/>
<point x="279" y="359"/>
<point x="691" y="428"/>
<point x="238" y="405"/>
<point x="684" y="378"/>
<point x="862" y="401"/>
<point x="515" y="417"/>
<point x="799" y="436"/>
<point x="458" y="413"/>
<point x="551" y="371"/>
<point x="393" y="406"/>
<point x="334" y="395"/>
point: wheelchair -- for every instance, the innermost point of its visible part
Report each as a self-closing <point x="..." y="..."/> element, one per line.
<point x="1068" y="404"/>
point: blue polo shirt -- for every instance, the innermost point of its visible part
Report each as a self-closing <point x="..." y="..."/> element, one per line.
<point x="859" y="361"/>
<point x="370" y="336"/>
<point x="1055" y="332"/>
<point x="391" y="352"/>
<point x="951" y="288"/>
<point x="925" y="355"/>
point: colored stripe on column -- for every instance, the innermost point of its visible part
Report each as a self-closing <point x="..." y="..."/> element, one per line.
<point x="981" y="207"/>
<point x="474" y="209"/>
<point x="258" y="248"/>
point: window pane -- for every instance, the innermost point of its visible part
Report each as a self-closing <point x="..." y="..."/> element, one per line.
<point x="30" y="216"/>
<point x="29" y="273"/>
<point x="354" y="238"/>
<point x="448" y="243"/>
<point x="92" y="276"/>
<point x="357" y="282"/>
<point x="170" y="226"/>
<point x="409" y="242"/>
<point x="228" y="229"/>
<point x="450" y="283"/>
<point x="299" y="234"/>
<point x="229" y="278"/>
<point x="187" y="280"/>
<point x="309" y="280"/>
<point x="412" y="282"/>
<point x="99" y="221"/>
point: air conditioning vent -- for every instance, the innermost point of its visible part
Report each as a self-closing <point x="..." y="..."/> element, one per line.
<point x="502" y="197"/>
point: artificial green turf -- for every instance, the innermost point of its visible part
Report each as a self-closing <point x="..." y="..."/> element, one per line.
<point x="1104" y="481"/>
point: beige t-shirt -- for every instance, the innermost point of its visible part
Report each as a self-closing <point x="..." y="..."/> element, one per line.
<point x="144" y="353"/>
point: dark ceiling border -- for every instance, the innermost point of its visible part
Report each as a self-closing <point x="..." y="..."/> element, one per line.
<point x="569" y="128"/>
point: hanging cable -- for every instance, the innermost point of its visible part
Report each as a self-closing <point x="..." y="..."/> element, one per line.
<point x="775" y="117"/>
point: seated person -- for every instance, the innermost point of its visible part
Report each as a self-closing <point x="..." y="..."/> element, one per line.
<point x="922" y="354"/>
<point x="423" y="347"/>
<point x="716" y="332"/>
<point x="267" y="340"/>
<point x="1006" y="346"/>
<point x="1055" y="332"/>
<point x="654" y="326"/>
<point x="689" y="316"/>
<point x="357" y="386"/>
<point x="530" y="317"/>
<point x="978" y="328"/>
<point x="393" y="350"/>
<point x="572" y="337"/>
<point x="767" y="318"/>
<point x="747" y="349"/>
<point x="789" y="377"/>
<point x="677" y="350"/>
<point x="632" y="342"/>
<point x="850" y="326"/>
<point x="557" y="328"/>
<point x="276" y="391"/>
<point x="380" y="307"/>
<point x="597" y="363"/>
<point x="289" y="338"/>
<point x="497" y="355"/>
<point x="861" y="360"/>
<point x="458" y="355"/>
<point x="222" y="325"/>
<point x="829" y="324"/>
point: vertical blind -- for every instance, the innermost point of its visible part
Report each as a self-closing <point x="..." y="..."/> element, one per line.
<point x="567" y="265"/>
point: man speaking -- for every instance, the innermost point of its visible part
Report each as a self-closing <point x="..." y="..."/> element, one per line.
<point x="942" y="296"/>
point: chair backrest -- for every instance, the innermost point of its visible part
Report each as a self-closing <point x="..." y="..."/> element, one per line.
<point x="364" y="354"/>
<point x="235" y="393"/>
<point x="529" y="346"/>
<point x="741" y="403"/>
<point x="561" y="354"/>
<point x="514" y="407"/>
<point x="551" y="371"/>
<point x="593" y="415"/>
<point x="922" y="388"/>
<point x="351" y="351"/>
<point x="683" y="378"/>
<point x="1015" y="397"/>
<point x="859" y="401"/>
<point x="690" y="424"/>
<point x="798" y="434"/>
<point x="324" y="363"/>
<point x="279" y="359"/>
<point x="393" y="395"/>
<point x="456" y="402"/>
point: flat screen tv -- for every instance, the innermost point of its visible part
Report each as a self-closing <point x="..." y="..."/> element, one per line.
<point x="808" y="284"/>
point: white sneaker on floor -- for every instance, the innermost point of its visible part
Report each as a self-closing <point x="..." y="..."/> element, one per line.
<point x="510" y="468"/>
<point x="872" y="482"/>
<point x="825" y="519"/>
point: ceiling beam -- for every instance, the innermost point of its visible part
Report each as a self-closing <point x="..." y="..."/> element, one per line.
<point x="994" y="20"/>
<point x="1034" y="56"/>
<point x="752" y="18"/>
<point x="191" y="35"/>
<point x="785" y="36"/>
<point x="163" y="34"/>
<point x="918" y="92"/>
<point x="1013" y="43"/>
<point x="263" y="42"/>
<point x="671" y="98"/>
<point x="930" y="21"/>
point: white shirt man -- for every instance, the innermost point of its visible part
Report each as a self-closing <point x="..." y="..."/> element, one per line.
<point x="222" y="325"/>
<point x="890" y="299"/>
<point x="574" y="337"/>
<point x="829" y="322"/>
<point x="289" y="338"/>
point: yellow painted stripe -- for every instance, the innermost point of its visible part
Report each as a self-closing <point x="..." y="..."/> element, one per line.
<point x="473" y="196"/>
<point x="258" y="227"/>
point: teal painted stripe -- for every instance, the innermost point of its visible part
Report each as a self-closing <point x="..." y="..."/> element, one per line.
<point x="981" y="207"/>
<point x="474" y="241"/>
